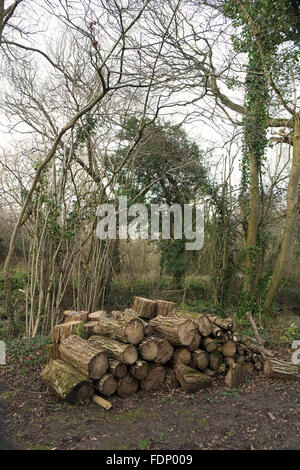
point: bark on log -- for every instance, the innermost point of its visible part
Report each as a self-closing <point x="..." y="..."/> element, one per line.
<point x="60" y="332"/>
<point x="128" y="385"/>
<point x="145" y="308"/>
<point x="226" y="324"/>
<point x="107" y="385"/>
<point x="101" y="402"/>
<point x="126" y="353"/>
<point x="117" y="368"/>
<point x="190" y="379"/>
<point x="170" y="378"/>
<point x="127" y="330"/>
<point x="229" y="361"/>
<point x="139" y="370"/>
<point x="200" y="359"/>
<point x="281" y="369"/>
<point x="154" y="379"/>
<point x="182" y="356"/>
<point x="235" y="376"/>
<point x="148" y="349"/>
<point x="204" y="325"/>
<point x="178" y="331"/>
<point x="89" y="327"/>
<point x="165" y="308"/>
<point x="96" y="316"/>
<point x="74" y="315"/>
<point x="84" y="356"/>
<point x="67" y="382"/>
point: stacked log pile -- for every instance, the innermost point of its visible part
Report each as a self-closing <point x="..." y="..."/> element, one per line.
<point x="144" y="347"/>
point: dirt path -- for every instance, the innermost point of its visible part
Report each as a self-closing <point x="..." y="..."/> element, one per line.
<point x="261" y="415"/>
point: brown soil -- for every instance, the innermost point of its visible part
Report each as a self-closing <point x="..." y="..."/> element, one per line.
<point x="263" y="414"/>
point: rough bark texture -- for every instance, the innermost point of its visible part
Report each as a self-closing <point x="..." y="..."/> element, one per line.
<point x="107" y="385"/>
<point x="190" y="379"/>
<point x="235" y="376"/>
<point x="165" y="308"/>
<point x="84" y="356"/>
<point x="126" y="353"/>
<point x="281" y="369"/>
<point x="225" y="323"/>
<point x="73" y="315"/>
<point x="67" y="382"/>
<point x="127" y="330"/>
<point x="154" y="379"/>
<point x="96" y="316"/>
<point x="60" y="332"/>
<point x="178" y="331"/>
<point x="145" y="308"/>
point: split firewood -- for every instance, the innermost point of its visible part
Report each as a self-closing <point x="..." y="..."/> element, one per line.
<point x="67" y="382"/>
<point x="84" y="356"/>
<point x="107" y="385"/>
<point x="101" y="402"/>
<point x="200" y="359"/>
<point x="139" y="370"/>
<point x="190" y="379"/>
<point x="281" y="369"/>
<point x="128" y="385"/>
<point x="127" y="330"/>
<point x="204" y="325"/>
<point x="178" y="331"/>
<point x="117" y="368"/>
<point x="126" y="353"/>
<point x="165" y="308"/>
<point x="145" y="308"/>
<point x="154" y="379"/>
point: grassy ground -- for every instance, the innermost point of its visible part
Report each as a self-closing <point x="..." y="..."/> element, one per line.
<point x="262" y="414"/>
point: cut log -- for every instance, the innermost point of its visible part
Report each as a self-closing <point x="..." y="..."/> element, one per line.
<point x="222" y="369"/>
<point x="51" y="352"/>
<point x="89" y="327"/>
<point x="170" y="378"/>
<point x="165" y="350"/>
<point x="126" y="353"/>
<point x="217" y="332"/>
<point x="229" y="361"/>
<point x="154" y="379"/>
<point x="215" y="360"/>
<point x="209" y="344"/>
<point x="74" y="315"/>
<point x="117" y="368"/>
<point x="190" y="379"/>
<point x="204" y="325"/>
<point x="195" y="342"/>
<point x="139" y="370"/>
<point x="67" y="382"/>
<point x="235" y="376"/>
<point x="200" y="359"/>
<point x="145" y="308"/>
<point x="60" y="332"/>
<point x="182" y="356"/>
<point x="210" y="372"/>
<point x="96" y="316"/>
<point x="250" y="367"/>
<point x="178" y="331"/>
<point x="226" y="324"/>
<point x="240" y="359"/>
<point x="84" y="356"/>
<point x="148" y="349"/>
<point x="165" y="308"/>
<point x="229" y="348"/>
<point x="281" y="369"/>
<point x="101" y="402"/>
<point x="107" y="385"/>
<point x="127" y="330"/>
<point x="128" y="385"/>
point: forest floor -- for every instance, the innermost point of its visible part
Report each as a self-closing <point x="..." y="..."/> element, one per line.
<point x="262" y="414"/>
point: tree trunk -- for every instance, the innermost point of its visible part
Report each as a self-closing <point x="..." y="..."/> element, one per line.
<point x="165" y="308"/>
<point x="63" y="331"/>
<point x="281" y="369"/>
<point x="235" y="376"/>
<point x="126" y="353"/>
<point x="121" y="329"/>
<point x="145" y="308"/>
<point x="128" y="385"/>
<point x="107" y="385"/>
<point x="154" y="379"/>
<point x="291" y="212"/>
<point x="67" y="382"/>
<point x="178" y="331"/>
<point x="190" y="379"/>
<point x="84" y="356"/>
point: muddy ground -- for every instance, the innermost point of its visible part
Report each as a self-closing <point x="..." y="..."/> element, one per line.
<point x="262" y="414"/>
